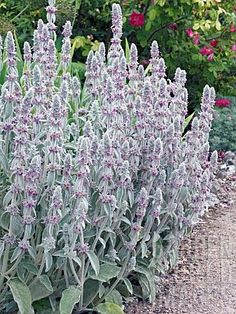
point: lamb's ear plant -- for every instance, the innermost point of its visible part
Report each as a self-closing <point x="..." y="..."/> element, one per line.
<point x="98" y="185"/>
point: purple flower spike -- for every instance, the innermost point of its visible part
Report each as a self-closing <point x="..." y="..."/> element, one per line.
<point x="10" y="50"/>
<point x="67" y="29"/>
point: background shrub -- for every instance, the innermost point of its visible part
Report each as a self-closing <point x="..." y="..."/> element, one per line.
<point x="222" y="136"/>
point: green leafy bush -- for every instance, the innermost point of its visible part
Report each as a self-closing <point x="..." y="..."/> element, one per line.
<point x="22" y="16"/>
<point x="222" y="136"/>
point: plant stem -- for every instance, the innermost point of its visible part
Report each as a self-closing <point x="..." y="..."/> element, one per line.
<point x="15" y="264"/>
<point x="146" y="7"/>
<point x="40" y="270"/>
<point x="82" y="276"/>
<point x="164" y="26"/>
<point x="66" y="275"/>
<point x="74" y="272"/>
<point x="19" y="14"/>
<point x="4" y="265"/>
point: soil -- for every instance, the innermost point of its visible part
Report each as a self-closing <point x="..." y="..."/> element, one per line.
<point x="204" y="281"/>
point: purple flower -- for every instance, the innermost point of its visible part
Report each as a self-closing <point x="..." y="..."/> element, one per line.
<point x="67" y="29"/>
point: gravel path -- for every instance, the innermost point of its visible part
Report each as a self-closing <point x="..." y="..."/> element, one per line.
<point x="204" y="280"/>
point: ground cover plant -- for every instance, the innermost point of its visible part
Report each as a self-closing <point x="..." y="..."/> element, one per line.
<point x="222" y="135"/>
<point x="98" y="182"/>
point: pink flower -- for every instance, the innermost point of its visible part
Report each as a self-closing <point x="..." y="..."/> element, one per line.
<point x="136" y="19"/>
<point x="189" y="32"/>
<point x="232" y="28"/>
<point x="210" y="58"/>
<point x="144" y="62"/>
<point x="206" y="51"/>
<point x="233" y="48"/>
<point x="196" y="38"/>
<point x="222" y="102"/>
<point x="214" y="43"/>
<point x="221" y="154"/>
<point x="173" y="26"/>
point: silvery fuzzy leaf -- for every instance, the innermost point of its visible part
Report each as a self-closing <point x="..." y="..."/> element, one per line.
<point x="102" y="242"/>
<point x="101" y="290"/>
<point x="106" y="273"/>
<point x="125" y="220"/>
<point x="109" y="230"/>
<point x="32" y="252"/>
<point x="48" y="261"/>
<point x="113" y="239"/>
<point x="131" y="198"/>
<point x="4" y="161"/>
<point x="173" y="256"/>
<point x="16" y="226"/>
<point x="128" y="285"/>
<point x="107" y="307"/>
<point x="169" y="237"/>
<point x="1" y="249"/>
<point x="51" y="177"/>
<point x="70" y="297"/>
<point x="94" y="261"/>
<point x="144" y="286"/>
<point x="77" y="260"/>
<point x="21" y="295"/>
<point x="147" y="279"/>
<point x="8" y="110"/>
<point x="40" y="288"/>
<point x="60" y="253"/>
<point x="114" y="297"/>
<point x="91" y="288"/>
<point x="144" y="249"/>
<point x="19" y="180"/>
<point x="21" y="273"/>
<point x="28" y="231"/>
<point x="183" y="195"/>
<point x="16" y="253"/>
<point x="90" y="233"/>
<point x="60" y="261"/>
<point x="44" y="279"/>
<point x="29" y="267"/>
<point x="5" y="221"/>
<point x="156" y="246"/>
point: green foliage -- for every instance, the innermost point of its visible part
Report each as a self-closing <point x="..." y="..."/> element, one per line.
<point x="22" y="16"/>
<point x="222" y="136"/>
<point x="70" y="297"/>
<point x="109" y="308"/>
<point x="21" y="295"/>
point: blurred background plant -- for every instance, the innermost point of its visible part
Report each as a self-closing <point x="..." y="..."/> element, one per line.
<point x="197" y="35"/>
<point x="22" y="16"/>
<point x="222" y="136"/>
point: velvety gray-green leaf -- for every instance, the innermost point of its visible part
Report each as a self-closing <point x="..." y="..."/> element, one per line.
<point x="106" y="272"/>
<point x="109" y="308"/>
<point x="21" y="295"/>
<point x="94" y="261"/>
<point x="69" y="298"/>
